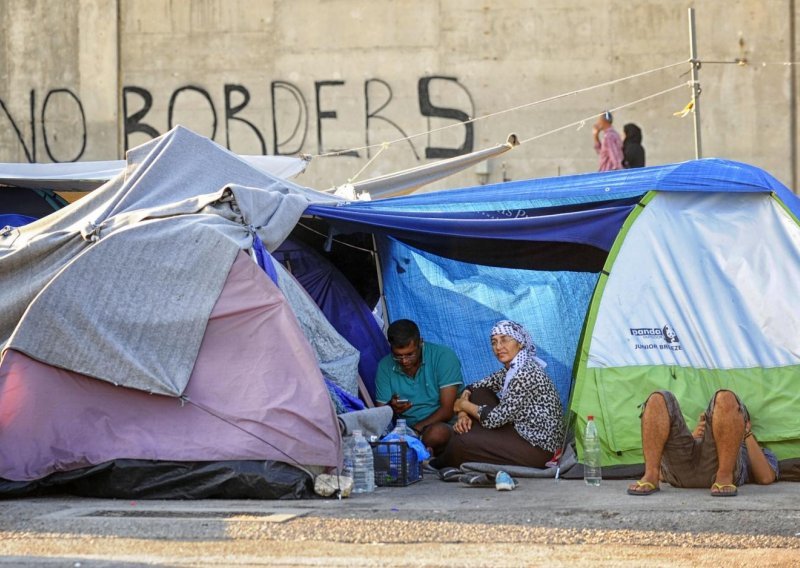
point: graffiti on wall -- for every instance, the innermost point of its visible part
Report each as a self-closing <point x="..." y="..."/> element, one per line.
<point x="40" y="115"/>
<point x="290" y="111"/>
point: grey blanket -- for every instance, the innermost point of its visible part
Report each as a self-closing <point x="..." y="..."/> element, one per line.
<point x="567" y="461"/>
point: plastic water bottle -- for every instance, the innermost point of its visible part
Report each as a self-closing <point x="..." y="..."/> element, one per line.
<point x="348" y="446"/>
<point x="363" y="465"/>
<point x="396" y="450"/>
<point x="592" y="471"/>
<point x="401" y="428"/>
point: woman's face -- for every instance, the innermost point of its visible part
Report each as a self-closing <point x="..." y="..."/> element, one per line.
<point x="505" y="348"/>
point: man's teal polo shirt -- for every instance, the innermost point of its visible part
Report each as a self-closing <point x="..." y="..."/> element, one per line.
<point x="440" y="368"/>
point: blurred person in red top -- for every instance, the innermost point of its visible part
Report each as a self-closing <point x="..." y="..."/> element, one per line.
<point x="608" y="145"/>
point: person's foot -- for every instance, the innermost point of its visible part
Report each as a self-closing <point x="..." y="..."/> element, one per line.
<point x="724" y="490"/>
<point x="474" y="479"/>
<point x="504" y="482"/>
<point x="450" y="473"/>
<point x="643" y="487"/>
<point x="427" y="467"/>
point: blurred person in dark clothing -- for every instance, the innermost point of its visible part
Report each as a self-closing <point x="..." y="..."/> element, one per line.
<point x="632" y="149"/>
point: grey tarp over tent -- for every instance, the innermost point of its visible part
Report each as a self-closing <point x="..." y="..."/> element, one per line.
<point x="175" y="189"/>
<point x="86" y="176"/>
<point x="125" y="286"/>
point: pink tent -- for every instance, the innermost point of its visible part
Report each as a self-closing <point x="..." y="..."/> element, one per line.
<point x="255" y="393"/>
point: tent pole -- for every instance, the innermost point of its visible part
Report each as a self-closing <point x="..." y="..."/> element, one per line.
<point x="793" y="96"/>
<point x="381" y="296"/>
<point x="698" y="146"/>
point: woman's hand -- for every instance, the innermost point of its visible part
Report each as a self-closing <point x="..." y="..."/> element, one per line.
<point x="457" y="407"/>
<point x="463" y="423"/>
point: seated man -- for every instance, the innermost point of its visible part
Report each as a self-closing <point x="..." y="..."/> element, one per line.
<point x="420" y="381"/>
<point x="721" y="453"/>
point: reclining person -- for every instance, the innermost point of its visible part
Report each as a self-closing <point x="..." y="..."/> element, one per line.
<point x="722" y="452"/>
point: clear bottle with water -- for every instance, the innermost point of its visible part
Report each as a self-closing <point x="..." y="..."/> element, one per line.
<point x="348" y="446"/>
<point x="363" y="465"/>
<point x="396" y="449"/>
<point x="401" y="428"/>
<point x="592" y="470"/>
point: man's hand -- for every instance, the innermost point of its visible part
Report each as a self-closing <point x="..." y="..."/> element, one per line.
<point x="761" y="472"/>
<point x="463" y="423"/>
<point x="700" y="429"/>
<point x="399" y="407"/>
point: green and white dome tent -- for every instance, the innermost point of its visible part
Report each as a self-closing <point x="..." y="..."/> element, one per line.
<point x="700" y="291"/>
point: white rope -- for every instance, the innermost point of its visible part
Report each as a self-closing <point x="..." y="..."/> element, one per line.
<point x="307" y="228"/>
<point x="582" y="122"/>
<point x="491" y="115"/>
<point x="747" y="63"/>
<point x="372" y="159"/>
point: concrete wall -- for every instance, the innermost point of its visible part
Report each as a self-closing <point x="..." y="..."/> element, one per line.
<point x="87" y="79"/>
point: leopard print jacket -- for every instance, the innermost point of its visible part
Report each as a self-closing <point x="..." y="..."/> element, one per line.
<point x="531" y="404"/>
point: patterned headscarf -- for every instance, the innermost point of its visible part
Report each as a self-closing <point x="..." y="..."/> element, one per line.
<point x="526" y="353"/>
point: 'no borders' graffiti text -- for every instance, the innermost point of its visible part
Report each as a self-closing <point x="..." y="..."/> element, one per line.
<point x="294" y="117"/>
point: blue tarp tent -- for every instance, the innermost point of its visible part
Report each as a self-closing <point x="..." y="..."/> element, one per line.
<point x="585" y="209"/>
<point x="545" y="252"/>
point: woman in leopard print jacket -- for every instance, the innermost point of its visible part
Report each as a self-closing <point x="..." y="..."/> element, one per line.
<point x="511" y="417"/>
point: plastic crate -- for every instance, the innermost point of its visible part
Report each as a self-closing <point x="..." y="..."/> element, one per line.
<point x="396" y="464"/>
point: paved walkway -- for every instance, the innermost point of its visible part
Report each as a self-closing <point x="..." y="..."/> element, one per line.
<point x="431" y="523"/>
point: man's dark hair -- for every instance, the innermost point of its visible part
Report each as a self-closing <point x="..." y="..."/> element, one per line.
<point x="402" y="332"/>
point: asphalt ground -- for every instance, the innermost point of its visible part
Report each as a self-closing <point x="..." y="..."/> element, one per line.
<point x="542" y="522"/>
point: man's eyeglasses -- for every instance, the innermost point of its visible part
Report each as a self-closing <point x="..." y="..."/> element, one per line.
<point x="400" y="358"/>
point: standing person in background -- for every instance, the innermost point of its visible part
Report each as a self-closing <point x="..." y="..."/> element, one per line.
<point x="632" y="149"/>
<point x="609" y="145"/>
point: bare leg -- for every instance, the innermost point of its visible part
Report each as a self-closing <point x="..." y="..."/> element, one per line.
<point x="436" y="437"/>
<point x="727" y="425"/>
<point x="655" y="431"/>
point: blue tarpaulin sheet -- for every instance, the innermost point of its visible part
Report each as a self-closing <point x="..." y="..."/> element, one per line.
<point x="15" y="220"/>
<point x="456" y="301"/>
<point x="456" y="304"/>
<point x="508" y="210"/>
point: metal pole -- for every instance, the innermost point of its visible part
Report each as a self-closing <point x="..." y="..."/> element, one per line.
<point x="698" y="146"/>
<point x="793" y="97"/>
<point x="381" y="298"/>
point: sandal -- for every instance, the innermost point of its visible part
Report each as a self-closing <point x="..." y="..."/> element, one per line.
<point x="724" y="490"/>
<point x="476" y="480"/>
<point x="643" y="488"/>
<point x="450" y="473"/>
